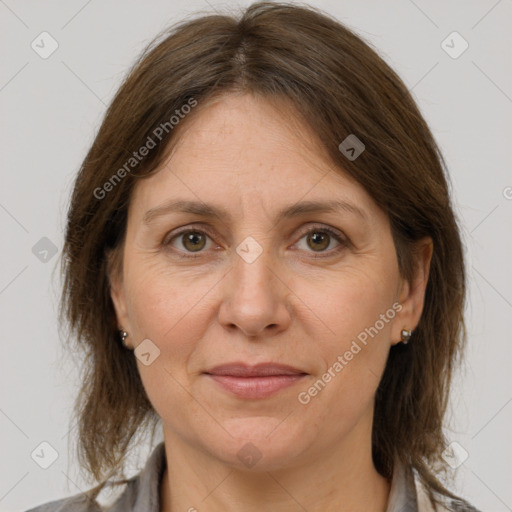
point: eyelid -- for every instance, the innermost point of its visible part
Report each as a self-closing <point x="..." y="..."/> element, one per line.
<point x="338" y="235"/>
<point x="185" y="229"/>
<point x="323" y="227"/>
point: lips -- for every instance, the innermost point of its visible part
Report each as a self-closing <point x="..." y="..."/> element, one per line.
<point x="259" y="370"/>
<point x="256" y="381"/>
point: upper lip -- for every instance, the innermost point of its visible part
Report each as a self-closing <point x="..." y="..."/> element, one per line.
<point x="240" y="369"/>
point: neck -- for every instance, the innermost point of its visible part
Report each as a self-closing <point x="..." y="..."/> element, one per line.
<point x="341" y="479"/>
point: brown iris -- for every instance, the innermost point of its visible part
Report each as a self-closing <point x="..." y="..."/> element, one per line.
<point x="193" y="241"/>
<point x="320" y="240"/>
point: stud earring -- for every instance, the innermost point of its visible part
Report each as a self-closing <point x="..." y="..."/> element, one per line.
<point x="123" y="335"/>
<point x="406" y="336"/>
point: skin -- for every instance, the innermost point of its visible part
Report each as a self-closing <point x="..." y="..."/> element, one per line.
<point x="301" y="303"/>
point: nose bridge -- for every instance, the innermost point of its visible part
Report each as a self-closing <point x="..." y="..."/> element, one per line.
<point x="253" y="298"/>
<point x="253" y="269"/>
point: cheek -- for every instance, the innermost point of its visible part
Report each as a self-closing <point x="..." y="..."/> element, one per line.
<point x="357" y="313"/>
<point x="349" y="304"/>
<point x="164" y="307"/>
<point x="165" y="310"/>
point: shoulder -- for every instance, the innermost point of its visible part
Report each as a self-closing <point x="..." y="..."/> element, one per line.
<point x="76" y="503"/>
<point x="445" y="504"/>
<point x="140" y="494"/>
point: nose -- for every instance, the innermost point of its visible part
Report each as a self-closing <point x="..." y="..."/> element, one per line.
<point x="255" y="298"/>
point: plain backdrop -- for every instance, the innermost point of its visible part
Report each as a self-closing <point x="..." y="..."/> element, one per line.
<point x="51" y="109"/>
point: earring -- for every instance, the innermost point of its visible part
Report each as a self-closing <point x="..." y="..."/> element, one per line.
<point x="406" y="336"/>
<point x="123" y="334"/>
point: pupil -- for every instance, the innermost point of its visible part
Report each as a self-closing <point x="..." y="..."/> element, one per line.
<point x="194" y="239"/>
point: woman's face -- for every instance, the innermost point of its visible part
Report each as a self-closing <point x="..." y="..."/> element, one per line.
<point x="264" y="281"/>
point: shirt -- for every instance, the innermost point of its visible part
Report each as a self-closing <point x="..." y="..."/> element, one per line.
<point x="142" y="493"/>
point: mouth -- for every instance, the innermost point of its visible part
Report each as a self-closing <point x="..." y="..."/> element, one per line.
<point x="254" y="382"/>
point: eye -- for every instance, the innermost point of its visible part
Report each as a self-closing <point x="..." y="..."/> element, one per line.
<point x="191" y="241"/>
<point x="319" y="238"/>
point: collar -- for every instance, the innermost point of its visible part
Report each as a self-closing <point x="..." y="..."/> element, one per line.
<point x="402" y="494"/>
<point x="142" y="493"/>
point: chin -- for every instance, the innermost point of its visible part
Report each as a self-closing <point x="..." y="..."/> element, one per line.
<point x="261" y="443"/>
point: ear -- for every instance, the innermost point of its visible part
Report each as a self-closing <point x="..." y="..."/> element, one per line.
<point x="117" y="291"/>
<point x="412" y="293"/>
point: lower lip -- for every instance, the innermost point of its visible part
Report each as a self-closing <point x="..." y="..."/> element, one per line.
<point x="255" y="387"/>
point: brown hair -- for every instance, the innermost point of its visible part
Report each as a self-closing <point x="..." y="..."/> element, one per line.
<point x="339" y="85"/>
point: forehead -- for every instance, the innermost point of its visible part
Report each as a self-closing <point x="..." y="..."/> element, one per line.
<point x="241" y="126"/>
<point x="244" y="150"/>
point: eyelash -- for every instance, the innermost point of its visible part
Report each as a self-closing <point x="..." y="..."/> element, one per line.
<point x="314" y="229"/>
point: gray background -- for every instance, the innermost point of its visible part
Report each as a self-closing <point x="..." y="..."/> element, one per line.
<point x="51" y="109"/>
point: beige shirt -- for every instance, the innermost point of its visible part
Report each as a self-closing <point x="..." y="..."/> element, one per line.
<point x="142" y="493"/>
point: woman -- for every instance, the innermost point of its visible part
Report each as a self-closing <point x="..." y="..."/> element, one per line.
<point x="261" y="257"/>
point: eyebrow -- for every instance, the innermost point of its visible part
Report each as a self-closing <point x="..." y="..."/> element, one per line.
<point x="210" y="211"/>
